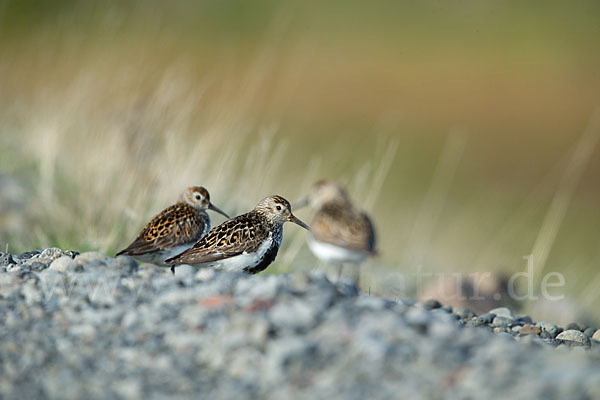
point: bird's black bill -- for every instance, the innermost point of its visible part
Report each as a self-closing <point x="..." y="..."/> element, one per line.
<point x="300" y="203"/>
<point x="292" y="218"/>
<point x="216" y="209"/>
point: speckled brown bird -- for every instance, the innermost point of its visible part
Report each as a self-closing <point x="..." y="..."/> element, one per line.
<point x="340" y="233"/>
<point x="174" y="229"/>
<point x="247" y="243"/>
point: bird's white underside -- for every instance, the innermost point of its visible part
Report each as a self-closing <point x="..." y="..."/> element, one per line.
<point x="159" y="257"/>
<point x="332" y="254"/>
<point x="242" y="261"/>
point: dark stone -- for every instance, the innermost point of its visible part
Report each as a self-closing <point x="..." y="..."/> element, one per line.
<point x="487" y="318"/>
<point x="6" y="259"/>
<point x="589" y="332"/>
<point x="576" y="326"/>
<point x="552" y="329"/>
<point x="524" y="319"/>
<point x="550" y="342"/>
<point x="464" y="313"/>
<point x="546" y="335"/>
<point x="71" y="253"/>
<point x="431" y="304"/>
<point x="475" y="321"/>
<point x="38" y="266"/>
<point x="29" y="254"/>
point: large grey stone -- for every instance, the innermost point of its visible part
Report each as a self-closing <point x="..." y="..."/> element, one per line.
<point x="574" y="336"/>
<point x="64" y="264"/>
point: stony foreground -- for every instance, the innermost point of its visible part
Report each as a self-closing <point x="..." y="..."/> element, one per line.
<point x="90" y="326"/>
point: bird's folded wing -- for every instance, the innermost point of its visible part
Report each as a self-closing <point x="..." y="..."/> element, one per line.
<point x="229" y="239"/>
<point x="174" y="226"/>
<point x="352" y="230"/>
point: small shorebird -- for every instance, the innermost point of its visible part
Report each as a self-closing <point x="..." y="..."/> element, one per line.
<point x="248" y="242"/>
<point x="174" y="229"/>
<point x="340" y="233"/>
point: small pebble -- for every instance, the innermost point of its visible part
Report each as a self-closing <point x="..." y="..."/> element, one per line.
<point x="524" y="319"/>
<point x="464" y="313"/>
<point x="529" y="329"/>
<point x="502" y="321"/>
<point x="576" y="326"/>
<point x="6" y="259"/>
<point x="407" y="301"/>
<point x="552" y="329"/>
<point x="503" y="312"/>
<point x="29" y="254"/>
<point x="431" y="304"/>
<point x="487" y="318"/>
<point x="475" y="321"/>
<point x="546" y="335"/>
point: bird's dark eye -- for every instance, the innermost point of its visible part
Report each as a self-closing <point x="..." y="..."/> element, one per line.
<point x="197" y="197"/>
<point x="278" y="208"/>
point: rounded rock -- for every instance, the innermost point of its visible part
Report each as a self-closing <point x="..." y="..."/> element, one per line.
<point x="487" y="318"/>
<point x="576" y="326"/>
<point x="551" y="329"/>
<point x="516" y="329"/>
<point x="6" y="259"/>
<point x="573" y="336"/>
<point x="464" y="313"/>
<point x="589" y="332"/>
<point x="52" y="253"/>
<point x="529" y="329"/>
<point x="125" y="264"/>
<point x="63" y="264"/>
<point x="93" y="259"/>
<point x="524" y="319"/>
<point x="431" y="304"/>
<point x="502" y="321"/>
<point x="418" y="318"/>
<point x="503" y="312"/>
<point x="475" y="321"/>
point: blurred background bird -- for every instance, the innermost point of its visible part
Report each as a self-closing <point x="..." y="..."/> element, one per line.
<point x="340" y="233"/>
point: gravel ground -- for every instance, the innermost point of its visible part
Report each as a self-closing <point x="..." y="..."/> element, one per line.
<point x="91" y="326"/>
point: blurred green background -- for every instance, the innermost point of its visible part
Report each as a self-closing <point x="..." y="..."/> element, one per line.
<point x="467" y="128"/>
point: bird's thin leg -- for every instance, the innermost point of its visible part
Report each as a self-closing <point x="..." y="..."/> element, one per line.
<point x="340" y="269"/>
<point x="173" y="269"/>
<point x="357" y="275"/>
